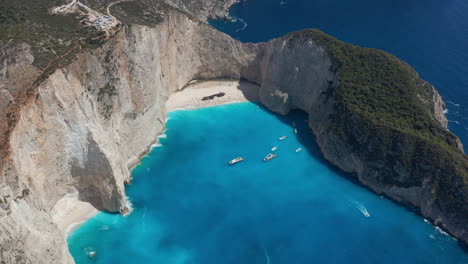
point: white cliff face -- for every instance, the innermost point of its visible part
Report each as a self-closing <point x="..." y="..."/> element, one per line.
<point x="93" y="119"/>
<point x="293" y="73"/>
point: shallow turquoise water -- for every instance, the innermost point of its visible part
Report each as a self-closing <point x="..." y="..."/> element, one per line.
<point x="191" y="207"/>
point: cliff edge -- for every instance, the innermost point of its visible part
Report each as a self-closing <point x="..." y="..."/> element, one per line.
<point x="373" y="117"/>
<point x="79" y="107"/>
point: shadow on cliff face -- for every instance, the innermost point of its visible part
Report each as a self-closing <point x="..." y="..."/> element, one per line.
<point x="94" y="179"/>
<point x="298" y="119"/>
<point x="249" y="89"/>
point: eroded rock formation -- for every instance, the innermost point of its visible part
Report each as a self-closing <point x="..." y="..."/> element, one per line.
<point x="91" y="120"/>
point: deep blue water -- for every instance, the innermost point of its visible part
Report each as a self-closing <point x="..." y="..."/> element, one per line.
<point x="190" y="207"/>
<point x="431" y="35"/>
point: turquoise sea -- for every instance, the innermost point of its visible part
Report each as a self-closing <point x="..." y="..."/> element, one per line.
<point x="190" y="206"/>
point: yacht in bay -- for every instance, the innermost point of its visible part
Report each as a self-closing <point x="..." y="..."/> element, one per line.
<point x="269" y="157"/>
<point x="236" y="160"/>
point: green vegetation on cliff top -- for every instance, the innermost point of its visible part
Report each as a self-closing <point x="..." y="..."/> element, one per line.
<point x="384" y="90"/>
<point x="386" y="113"/>
<point x="50" y="36"/>
<point x="53" y="35"/>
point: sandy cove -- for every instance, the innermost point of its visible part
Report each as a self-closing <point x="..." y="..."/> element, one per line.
<point x="69" y="213"/>
<point x="191" y="96"/>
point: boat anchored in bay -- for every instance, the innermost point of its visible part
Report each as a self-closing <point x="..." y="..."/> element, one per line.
<point x="236" y="160"/>
<point x="269" y="157"/>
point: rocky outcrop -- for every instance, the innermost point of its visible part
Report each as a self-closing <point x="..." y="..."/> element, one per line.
<point x="299" y="71"/>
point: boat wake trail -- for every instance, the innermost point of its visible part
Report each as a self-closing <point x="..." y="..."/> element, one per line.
<point x="361" y="208"/>
<point x="244" y="24"/>
<point x="265" y="252"/>
<point x="459" y="124"/>
<point x="452" y="103"/>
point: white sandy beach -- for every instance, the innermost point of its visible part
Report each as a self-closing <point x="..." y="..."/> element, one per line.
<point x="69" y="213"/>
<point x="191" y="96"/>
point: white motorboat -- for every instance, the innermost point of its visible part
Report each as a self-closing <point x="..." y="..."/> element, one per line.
<point x="269" y="157"/>
<point x="236" y="160"/>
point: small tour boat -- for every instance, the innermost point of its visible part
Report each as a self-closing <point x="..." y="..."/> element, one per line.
<point x="269" y="157"/>
<point x="295" y="131"/>
<point x="299" y="149"/>
<point x="236" y="160"/>
<point x="274" y="148"/>
<point x="282" y="138"/>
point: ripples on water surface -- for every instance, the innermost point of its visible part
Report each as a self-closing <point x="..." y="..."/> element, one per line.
<point x="191" y="207"/>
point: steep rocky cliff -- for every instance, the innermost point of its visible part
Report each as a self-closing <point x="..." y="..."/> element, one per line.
<point x="78" y="132"/>
<point x="372" y="116"/>
<point x="74" y="127"/>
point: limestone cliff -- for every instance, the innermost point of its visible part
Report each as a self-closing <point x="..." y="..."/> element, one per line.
<point x="89" y="122"/>
<point x="74" y="127"/>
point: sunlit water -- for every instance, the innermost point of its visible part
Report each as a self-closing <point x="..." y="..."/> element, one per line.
<point x="190" y="206"/>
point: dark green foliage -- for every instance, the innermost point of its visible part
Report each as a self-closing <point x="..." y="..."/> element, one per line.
<point x="144" y="12"/>
<point x="141" y="12"/>
<point x="386" y="92"/>
<point x="49" y="36"/>
<point x="385" y="112"/>
<point x="382" y="89"/>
